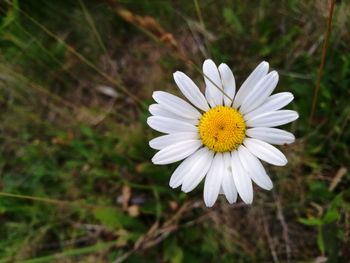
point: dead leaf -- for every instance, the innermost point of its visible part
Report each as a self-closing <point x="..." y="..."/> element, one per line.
<point x="108" y="91"/>
<point x="337" y="178"/>
<point x="149" y="24"/>
<point x="134" y="210"/>
<point x="173" y="205"/>
<point x="126" y="194"/>
<point x="63" y="140"/>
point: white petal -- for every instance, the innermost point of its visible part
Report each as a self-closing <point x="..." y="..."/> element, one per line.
<point x="211" y="75"/>
<point x="169" y="139"/>
<point x="265" y="152"/>
<point x="259" y="72"/>
<point x="228" y="185"/>
<point x="254" y="168"/>
<point x="183" y="169"/>
<point x="273" y="119"/>
<point x="159" y="110"/>
<point x="213" y="180"/>
<point x="274" y="102"/>
<point x="176" y="152"/>
<point x="176" y="105"/>
<point x="260" y="92"/>
<point x="271" y="135"/>
<point x="228" y="82"/>
<point x="198" y="170"/>
<point x="242" y="180"/>
<point x="190" y="90"/>
<point x="168" y="125"/>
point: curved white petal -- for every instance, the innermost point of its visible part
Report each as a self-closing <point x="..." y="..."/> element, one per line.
<point x="254" y="168"/>
<point x="272" y="103"/>
<point x="242" y="180"/>
<point x="176" y="152"/>
<point x="190" y="90"/>
<point x="211" y="75"/>
<point x="259" y="72"/>
<point x="176" y="105"/>
<point x="273" y="119"/>
<point x="198" y="170"/>
<point x="169" y="139"/>
<point x="265" y="152"/>
<point x="271" y="135"/>
<point x="182" y="170"/>
<point x="228" y="82"/>
<point x="213" y="180"/>
<point x="159" y="110"/>
<point x="258" y="94"/>
<point x="168" y="125"/>
<point x="228" y="185"/>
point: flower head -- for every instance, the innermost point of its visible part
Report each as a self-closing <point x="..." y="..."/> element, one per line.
<point x="223" y="134"/>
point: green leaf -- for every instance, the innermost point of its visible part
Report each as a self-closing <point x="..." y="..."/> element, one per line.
<point x="330" y="216"/>
<point x="87" y="131"/>
<point x="173" y="253"/>
<point x="12" y="15"/>
<point x="108" y="217"/>
<point x="232" y="19"/>
<point x="310" y="221"/>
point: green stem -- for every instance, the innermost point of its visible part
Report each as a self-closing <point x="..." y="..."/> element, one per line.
<point x="81" y="57"/>
<point x="91" y="22"/>
<point x="53" y="201"/>
<point x="323" y="60"/>
<point x="72" y="252"/>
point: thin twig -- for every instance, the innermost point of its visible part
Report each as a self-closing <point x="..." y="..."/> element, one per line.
<point x="269" y="238"/>
<point x="201" y="21"/>
<point x="323" y="59"/>
<point x="58" y="99"/>
<point x="281" y="218"/>
<point x="157" y="234"/>
<point x="91" y="23"/>
<point x="220" y="89"/>
<point x="199" y="13"/>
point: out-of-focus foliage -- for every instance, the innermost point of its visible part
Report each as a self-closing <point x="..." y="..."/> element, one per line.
<point x="74" y="141"/>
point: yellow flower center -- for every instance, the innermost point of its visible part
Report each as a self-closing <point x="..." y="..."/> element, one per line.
<point x="222" y="129"/>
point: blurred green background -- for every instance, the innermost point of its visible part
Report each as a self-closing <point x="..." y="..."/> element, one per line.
<point x="76" y="180"/>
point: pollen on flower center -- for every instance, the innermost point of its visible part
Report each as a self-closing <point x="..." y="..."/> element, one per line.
<point x="222" y="129"/>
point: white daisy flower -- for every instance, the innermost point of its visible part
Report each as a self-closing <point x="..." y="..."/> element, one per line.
<point x="222" y="135"/>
